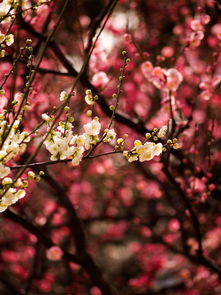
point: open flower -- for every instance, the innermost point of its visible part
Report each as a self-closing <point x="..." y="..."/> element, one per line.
<point x="92" y="128"/>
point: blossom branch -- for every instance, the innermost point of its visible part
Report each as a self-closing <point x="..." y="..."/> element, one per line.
<point x="48" y="163"/>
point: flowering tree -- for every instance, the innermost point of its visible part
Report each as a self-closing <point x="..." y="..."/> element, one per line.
<point x="110" y="147"/>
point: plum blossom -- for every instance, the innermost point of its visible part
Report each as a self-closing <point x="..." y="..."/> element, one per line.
<point x="174" y="78"/>
<point x="63" y="144"/>
<point x="197" y="26"/>
<point x="5" y="40"/>
<point x="54" y="253"/>
<point x="143" y="152"/>
<point x="100" y="79"/>
<point x="195" y="38"/>
<point x="92" y="128"/>
<point x="216" y="30"/>
<point x="58" y="142"/>
<point x="110" y="135"/>
<point x="4" y="171"/>
<point x="15" y="141"/>
<point x="164" y="79"/>
<point x="146" y="69"/>
<point x="208" y="85"/>
<point x="10" y="197"/>
<point x="63" y="96"/>
<point x="9" y="39"/>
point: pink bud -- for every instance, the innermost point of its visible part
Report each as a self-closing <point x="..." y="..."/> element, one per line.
<point x="204" y="197"/>
<point x="127" y="37"/>
<point x="212" y="187"/>
<point x="95" y="291"/>
<point x="204" y="179"/>
<point x="167" y="51"/>
<point x="209" y="175"/>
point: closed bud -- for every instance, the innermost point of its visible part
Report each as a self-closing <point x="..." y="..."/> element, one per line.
<point x="89" y="113"/>
<point x="31" y="175"/>
<point x="66" y="109"/>
<point x="120" y="141"/>
<point x="148" y="135"/>
<point x="114" y="95"/>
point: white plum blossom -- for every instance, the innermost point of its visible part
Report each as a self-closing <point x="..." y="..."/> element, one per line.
<point x="143" y="152"/>
<point x="63" y="144"/>
<point x="45" y="117"/>
<point x="63" y="96"/>
<point x="131" y="156"/>
<point x="77" y="156"/>
<point x="7" y="180"/>
<point x="162" y="132"/>
<point x="10" y="197"/>
<point x="9" y="39"/>
<point x="92" y="128"/>
<point x="4" y="171"/>
<point x="15" y="141"/>
<point x="110" y="135"/>
<point x="5" y="40"/>
<point x="58" y="142"/>
<point x="2" y="37"/>
<point x="147" y="151"/>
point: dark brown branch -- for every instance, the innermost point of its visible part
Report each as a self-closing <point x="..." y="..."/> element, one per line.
<point x="97" y="23"/>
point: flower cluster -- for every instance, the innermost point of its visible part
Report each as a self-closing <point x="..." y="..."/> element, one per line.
<point x="10" y="195"/>
<point x="63" y="144"/>
<point x="167" y="80"/>
<point x="5" y="40"/>
<point x="110" y="135"/>
<point x="143" y="152"/>
<point x="7" y="7"/>
<point x="197" y="27"/>
<point x="12" y="142"/>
